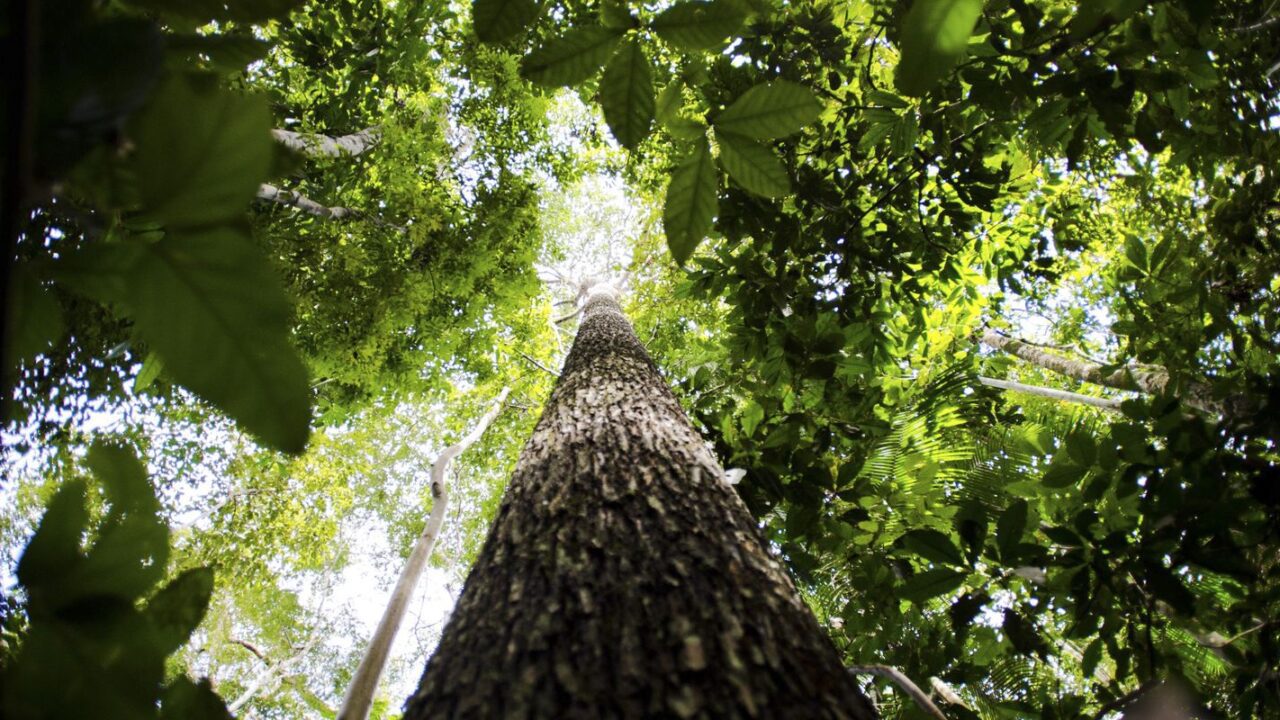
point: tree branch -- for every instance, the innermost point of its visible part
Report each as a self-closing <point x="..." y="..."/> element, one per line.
<point x="920" y="697"/>
<point x="271" y="193"/>
<point x="315" y="145"/>
<point x="1063" y="395"/>
<point x="540" y="366"/>
<point x="355" y="706"/>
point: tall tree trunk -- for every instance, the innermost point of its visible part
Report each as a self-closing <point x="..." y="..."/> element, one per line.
<point x="1152" y="380"/>
<point x="623" y="577"/>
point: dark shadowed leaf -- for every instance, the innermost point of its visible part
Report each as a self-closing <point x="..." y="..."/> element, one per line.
<point x="699" y="24"/>
<point x="626" y="95"/>
<point x="1009" y="528"/>
<point x="186" y="700"/>
<point x="770" y="110"/>
<point x="239" y="10"/>
<point x="55" y="547"/>
<point x="498" y="20"/>
<point x="177" y="609"/>
<point x="570" y="58"/>
<point x="931" y="584"/>
<point x="202" y="152"/>
<point x="932" y="545"/>
<point x="753" y="165"/>
<point x="212" y="308"/>
<point x="690" y="204"/>
<point x="35" y="319"/>
<point x="934" y="36"/>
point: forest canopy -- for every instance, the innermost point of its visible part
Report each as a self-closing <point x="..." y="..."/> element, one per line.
<point x="977" y="299"/>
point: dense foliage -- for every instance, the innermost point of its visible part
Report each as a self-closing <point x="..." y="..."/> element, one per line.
<point x="847" y="211"/>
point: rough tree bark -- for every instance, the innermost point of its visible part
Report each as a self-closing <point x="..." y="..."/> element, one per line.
<point x="623" y="577"/>
<point x="1149" y="380"/>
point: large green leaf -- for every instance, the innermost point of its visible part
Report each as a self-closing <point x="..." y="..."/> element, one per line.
<point x="202" y="152"/>
<point x="186" y="700"/>
<point x="55" y="547"/>
<point x="932" y="545"/>
<point x="699" y="24"/>
<point x="251" y="11"/>
<point x="35" y="319"/>
<point x="930" y="584"/>
<point x="572" y="57"/>
<point x="934" y="35"/>
<point x="770" y="110"/>
<point x="498" y="20"/>
<point x="212" y="308"/>
<point x="753" y="165"/>
<point x="690" y="204"/>
<point x="626" y="95"/>
<point x="177" y="609"/>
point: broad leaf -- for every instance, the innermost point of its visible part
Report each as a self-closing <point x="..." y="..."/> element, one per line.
<point x="753" y="166"/>
<point x="212" y="308"/>
<point x="690" y="204"/>
<point x="770" y="110"/>
<point x="626" y="95"/>
<point x="202" y="152"/>
<point x="186" y="700"/>
<point x="930" y="584"/>
<point x="123" y="476"/>
<point x="932" y="545"/>
<point x="35" y="319"/>
<point x="614" y="14"/>
<point x="248" y="11"/>
<point x="498" y="20"/>
<point x="177" y="609"/>
<point x="572" y="57"/>
<point x="1010" y="527"/>
<point x="699" y="24"/>
<point x="934" y="35"/>
<point x="55" y="547"/>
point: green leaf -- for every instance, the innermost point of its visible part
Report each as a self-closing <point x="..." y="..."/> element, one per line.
<point x="35" y="318"/>
<point x="126" y="561"/>
<point x="690" y="204"/>
<point x="905" y="133"/>
<point x="570" y="58"/>
<point x="212" y="308"/>
<point x="247" y="11"/>
<point x="123" y="476"/>
<point x="616" y="15"/>
<point x="932" y="545"/>
<point x="202" y="153"/>
<point x="930" y="584"/>
<point x="1062" y="475"/>
<point x="1081" y="448"/>
<point x="752" y="415"/>
<point x="177" y="609"/>
<point x="1092" y="656"/>
<point x="185" y="700"/>
<point x="1010" y="527"/>
<point x="770" y="110"/>
<point x="670" y="101"/>
<point x="699" y="24"/>
<point x="498" y="20"/>
<point x="685" y="128"/>
<point x="626" y="95"/>
<point x="228" y="53"/>
<point x="149" y="373"/>
<point x="934" y="36"/>
<point x="753" y="165"/>
<point x="55" y="546"/>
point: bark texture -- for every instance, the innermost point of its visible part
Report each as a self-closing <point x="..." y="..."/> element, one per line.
<point x="1150" y="380"/>
<point x="623" y="577"/>
<point x="315" y="145"/>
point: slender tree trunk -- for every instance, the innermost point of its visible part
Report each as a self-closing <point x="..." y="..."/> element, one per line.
<point x="1052" y="393"/>
<point x="623" y="577"/>
<point x="1152" y="381"/>
<point x="359" y="698"/>
<point x="325" y="146"/>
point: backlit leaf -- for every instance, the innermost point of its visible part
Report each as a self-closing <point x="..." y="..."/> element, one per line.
<point x="934" y="36"/>
<point x="699" y="24"/>
<point x="690" y="204"/>
<point x="498" y="20"/>
<point x="572" y="57"/>
<point x="770" y="110"/>
<point x="626" y="95"/>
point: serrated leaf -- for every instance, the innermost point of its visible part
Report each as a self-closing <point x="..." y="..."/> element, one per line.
<point x="498" y="20"/>
<point x="935" y="34"/>
<point x="202" y="153"/>
<point x="699" y="24"/>
<point x="178" y="608"/>
<point x="213" y="309"/>
<point x="572" y="57"/>
<point x="930" y="584"/>
<point x="905" y="132"/>
<point x="626" y="95"/>
<point x="690" y="203"/>
<point x="887" y="99"/>
<point x="753" y="166"/>
<point x="670" y="101"/>
<point x="932" y="545"/>
<point x="770" y="110"/>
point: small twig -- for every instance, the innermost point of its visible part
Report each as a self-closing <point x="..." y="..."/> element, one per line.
<point x="251" y="648"/>
<point x="567" y="318"/>
<point x="902" y="681"/>
<point x="540" y="366"/>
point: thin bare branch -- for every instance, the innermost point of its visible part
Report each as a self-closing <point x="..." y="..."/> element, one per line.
<point x="271" y="193"/>
<point x="359" y="698"/>
<point x="1063" y="395"/>
<point x="540" y="366"/>
<point x="895" y="675"/>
